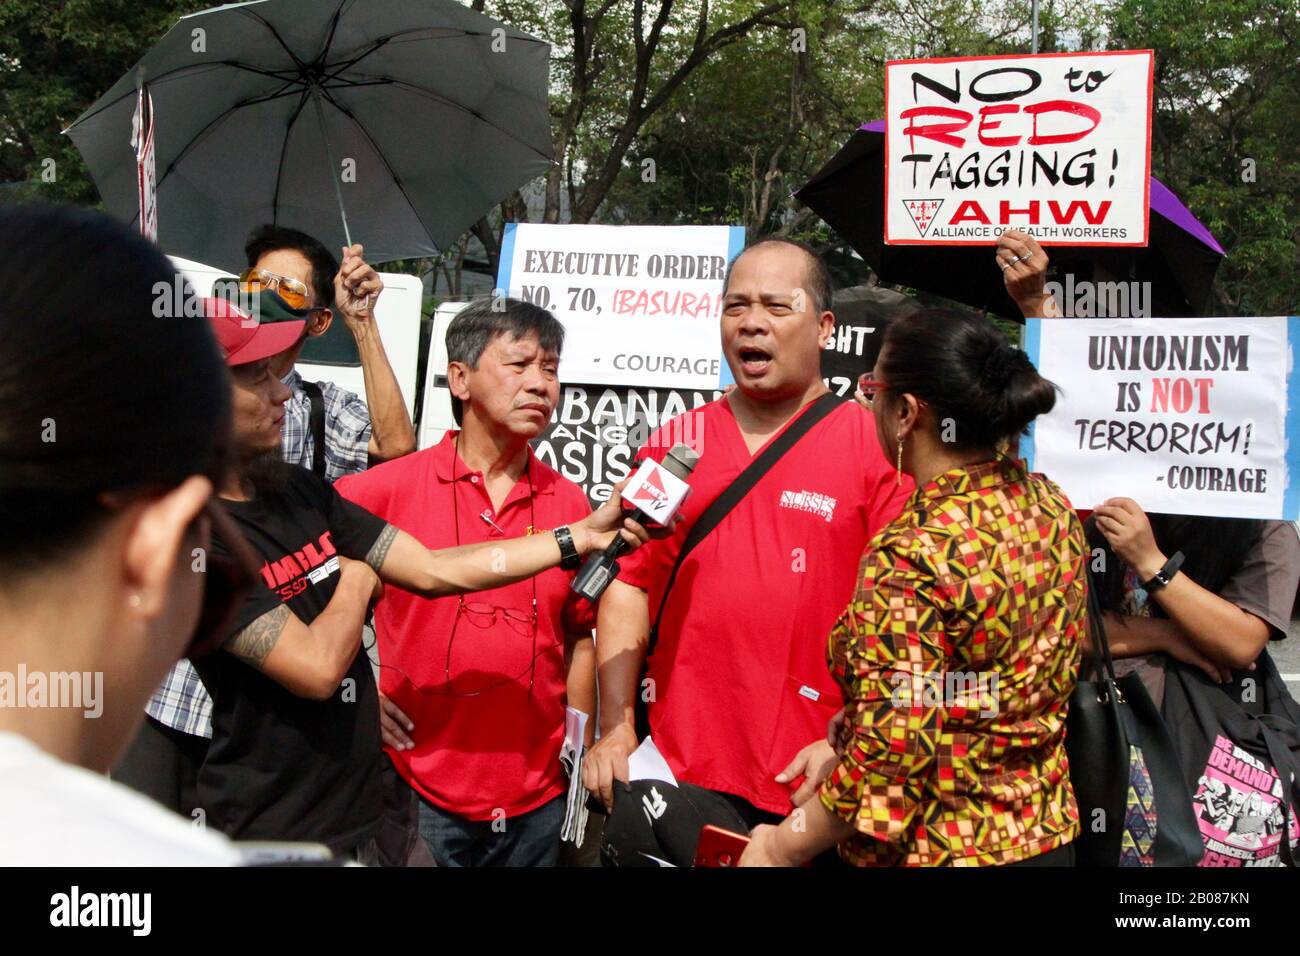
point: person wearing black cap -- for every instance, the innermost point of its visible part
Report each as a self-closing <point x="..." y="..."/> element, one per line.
<point x="295" y="746"/>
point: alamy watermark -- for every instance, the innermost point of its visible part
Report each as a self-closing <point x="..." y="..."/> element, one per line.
<point x="1099" y="300"/>
<point x="177" y="299"/>
<point x="133" y="911"/>
<point x="971" y="690"/>
<point x="74" y="690"/>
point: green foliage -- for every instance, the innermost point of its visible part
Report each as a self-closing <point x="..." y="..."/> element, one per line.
<point x="1227" y="81"/>
<point x="55" y="60"/>
<point x="755" y="121"/>
<point x="734" y="115"/>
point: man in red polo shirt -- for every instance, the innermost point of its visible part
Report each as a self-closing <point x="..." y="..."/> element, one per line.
<point x="738" y="683"/>
<point x="476" y="689"/>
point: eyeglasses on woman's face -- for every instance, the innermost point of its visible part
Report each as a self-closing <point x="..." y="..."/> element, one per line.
<point x="871" y="387"/>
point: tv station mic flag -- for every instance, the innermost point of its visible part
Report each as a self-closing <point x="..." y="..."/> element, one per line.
<point x="655" y="493"/>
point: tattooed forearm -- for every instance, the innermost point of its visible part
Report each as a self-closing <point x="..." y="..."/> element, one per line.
<point x="379" y="550"/>
<point x="254" y="643"/>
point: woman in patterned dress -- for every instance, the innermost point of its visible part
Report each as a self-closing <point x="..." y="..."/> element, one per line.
<point x="961" y="645"/>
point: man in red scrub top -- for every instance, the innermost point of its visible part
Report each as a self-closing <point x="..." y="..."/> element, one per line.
<point x="738" y="683"/>
<point x="474" y="690"/>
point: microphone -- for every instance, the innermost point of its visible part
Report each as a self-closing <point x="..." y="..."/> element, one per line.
<point x="651" y="498"/>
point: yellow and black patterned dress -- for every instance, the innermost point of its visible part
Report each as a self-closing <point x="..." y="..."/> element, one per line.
<point x="957" y="656"/>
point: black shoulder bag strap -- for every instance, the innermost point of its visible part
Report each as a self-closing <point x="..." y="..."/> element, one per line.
<point x="737" y="490"/>
<point x="317" y="399"/>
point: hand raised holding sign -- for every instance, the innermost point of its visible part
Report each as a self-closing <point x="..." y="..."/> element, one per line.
<point x="1024" y="270"/>
<point x="1128" y="532"/>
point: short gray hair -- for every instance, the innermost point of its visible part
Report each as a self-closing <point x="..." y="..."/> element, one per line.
<point x="484" y="319"/>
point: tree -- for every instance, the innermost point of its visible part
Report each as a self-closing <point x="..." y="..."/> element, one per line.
<point x="1224" y="131"/>
<point x="616" y="65"/>
<point x="55" y="60"/>
<point x="736" y="140"/>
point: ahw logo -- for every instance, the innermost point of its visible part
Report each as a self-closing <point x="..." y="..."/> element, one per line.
<point x="922" y="212"/>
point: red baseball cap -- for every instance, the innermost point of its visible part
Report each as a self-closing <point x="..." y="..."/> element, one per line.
<point x="243" y="338"/>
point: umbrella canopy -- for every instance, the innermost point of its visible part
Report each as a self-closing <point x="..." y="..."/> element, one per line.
<point x="849" y="193"/>
<point x="417" y="115"/>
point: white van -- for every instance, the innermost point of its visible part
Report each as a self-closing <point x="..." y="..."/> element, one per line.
<point x="436" y="418"/>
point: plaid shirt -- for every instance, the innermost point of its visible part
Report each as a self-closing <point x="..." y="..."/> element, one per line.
<point x="347" y="429"/>
<point x="182" y="702"/>
<point x="957" y="656"/>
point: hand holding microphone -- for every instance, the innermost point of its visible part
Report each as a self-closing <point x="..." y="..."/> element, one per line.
<point x="605" y="525"/>
<point x="652" y="498"/>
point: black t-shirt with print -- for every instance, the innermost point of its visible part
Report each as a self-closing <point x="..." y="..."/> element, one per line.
<point x="283" y="767"/>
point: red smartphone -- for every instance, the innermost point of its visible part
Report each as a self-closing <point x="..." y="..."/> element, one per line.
<point x="719" y="847"/>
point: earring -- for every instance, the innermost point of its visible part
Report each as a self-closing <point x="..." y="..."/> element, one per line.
<point x="898" y="474"/>
<point x="135" y="600"/>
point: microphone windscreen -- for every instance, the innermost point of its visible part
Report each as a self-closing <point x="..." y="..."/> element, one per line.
<point x="681" y="461"/>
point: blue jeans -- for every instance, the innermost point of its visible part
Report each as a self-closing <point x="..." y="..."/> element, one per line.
<point x="530" y="839"/>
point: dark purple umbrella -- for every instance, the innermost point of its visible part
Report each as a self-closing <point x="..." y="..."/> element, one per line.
<point x="849" y="192"/>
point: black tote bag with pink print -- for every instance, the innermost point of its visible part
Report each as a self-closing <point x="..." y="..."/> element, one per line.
<point x="1241" y="766"/>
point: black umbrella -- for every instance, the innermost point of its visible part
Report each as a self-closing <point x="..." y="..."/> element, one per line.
<point x="849" y="194"/>
<point x="414" y="116"/>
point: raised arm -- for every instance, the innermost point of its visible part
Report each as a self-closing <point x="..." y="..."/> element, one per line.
<point x="356" y="287"/>
<point x="1217" y="630"/>
<point x="402" y="561"/>
<point x="311" y="660"/>
<point x="1024" y="272"/>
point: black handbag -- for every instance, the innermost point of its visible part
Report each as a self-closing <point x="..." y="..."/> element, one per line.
<point x="1134" y="805"/>
<point x="1242" y="766"/>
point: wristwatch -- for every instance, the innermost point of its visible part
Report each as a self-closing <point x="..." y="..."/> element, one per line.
<point x="1165" y="574"/>
<point x="569" y="557"/>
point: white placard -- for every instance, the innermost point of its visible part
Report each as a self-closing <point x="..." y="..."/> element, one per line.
<point x="1057" y="144"/>
<point x="1185" y="416"/>
<point x="640" y="305"/>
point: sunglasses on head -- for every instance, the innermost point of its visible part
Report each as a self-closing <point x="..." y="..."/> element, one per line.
<point x="292" y="291"/>
<point x="229" y="566"/>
